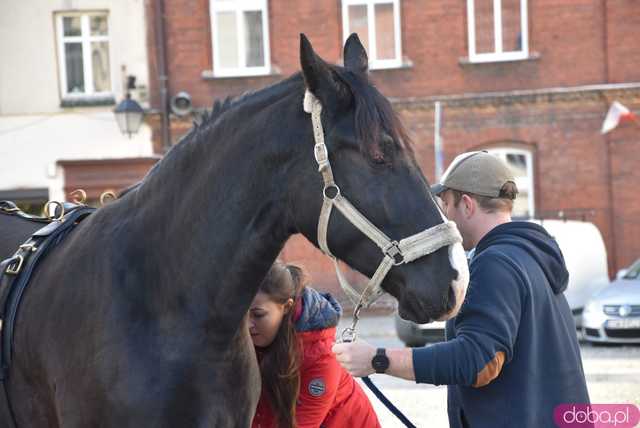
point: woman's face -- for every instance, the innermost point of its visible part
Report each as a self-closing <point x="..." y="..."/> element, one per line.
<point x="265" y="317"/>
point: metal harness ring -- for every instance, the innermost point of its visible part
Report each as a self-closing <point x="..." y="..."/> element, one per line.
<point x="331" y="187"/>
<point x="48" y="212"/>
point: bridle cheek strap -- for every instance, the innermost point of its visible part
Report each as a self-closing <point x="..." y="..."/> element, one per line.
<point x="394" y="253"/>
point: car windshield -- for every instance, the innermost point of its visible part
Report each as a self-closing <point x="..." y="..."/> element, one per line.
<point x="634" y="271"/>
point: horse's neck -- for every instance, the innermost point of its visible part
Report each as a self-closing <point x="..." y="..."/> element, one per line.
<point x="212" y="218"/>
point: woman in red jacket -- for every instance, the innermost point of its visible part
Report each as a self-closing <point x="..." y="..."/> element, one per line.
<point x="293" y="328"/>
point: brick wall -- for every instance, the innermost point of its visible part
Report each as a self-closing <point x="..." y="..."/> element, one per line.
<point x="573" y="43"/>
<point x="571" y="157"/>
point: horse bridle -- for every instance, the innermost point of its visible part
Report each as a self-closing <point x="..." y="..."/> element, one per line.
<point x="395" y="252"/>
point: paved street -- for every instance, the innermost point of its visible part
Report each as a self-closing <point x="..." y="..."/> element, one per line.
<point x="613" y="376"/>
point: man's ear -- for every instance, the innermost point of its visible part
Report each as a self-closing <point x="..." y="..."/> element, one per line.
<point x="469" y="205"/>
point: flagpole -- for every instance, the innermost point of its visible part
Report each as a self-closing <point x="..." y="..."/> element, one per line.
<point x="612" y="223"/>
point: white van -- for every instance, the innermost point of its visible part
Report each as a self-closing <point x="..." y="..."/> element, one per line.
<point x="585" y="256"/>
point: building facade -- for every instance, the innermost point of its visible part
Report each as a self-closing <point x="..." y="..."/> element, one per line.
<point x="530" y="80"/>
<point x="63" y="69"/>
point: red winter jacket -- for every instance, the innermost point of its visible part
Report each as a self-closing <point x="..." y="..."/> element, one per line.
<point x="329" y="396"/>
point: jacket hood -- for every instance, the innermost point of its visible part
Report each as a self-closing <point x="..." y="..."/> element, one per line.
<point x="319" y="311"/>
<point x="538" y="243"/>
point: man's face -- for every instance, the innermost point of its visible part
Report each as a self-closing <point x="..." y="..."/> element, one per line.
<point x="449" y="207"/>
<point x="458" y="214"/>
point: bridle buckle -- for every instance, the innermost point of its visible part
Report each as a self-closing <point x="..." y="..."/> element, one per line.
<point x="322" y="156"/>
<point x="15" y="265"/>
<point x="393" y="251"/>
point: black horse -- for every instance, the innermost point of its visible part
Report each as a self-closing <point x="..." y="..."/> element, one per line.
<point x="137" y="319"/>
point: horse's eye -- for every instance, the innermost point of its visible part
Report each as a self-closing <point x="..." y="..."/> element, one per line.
<point x="386" y="140"/>
<point x="387" y="147"/>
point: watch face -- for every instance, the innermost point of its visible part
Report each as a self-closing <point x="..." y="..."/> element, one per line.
<point x="380" y="363"/>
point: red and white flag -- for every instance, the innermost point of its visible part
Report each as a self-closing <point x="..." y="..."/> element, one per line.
<point x="617" y="114"/>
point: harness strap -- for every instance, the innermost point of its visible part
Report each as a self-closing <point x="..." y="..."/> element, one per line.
<point x="59" y="209"/>
<point x="428" y="241"/>
<point x="361" y="222"/>
<point x="323" y="225"/>
<point x="15" y="273"/>
<point x="14" y="282"/>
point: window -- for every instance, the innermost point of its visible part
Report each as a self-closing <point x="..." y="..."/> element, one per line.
<point x="377" y="23"/>
<point x="83" y="52"/>
<point x="521" y="163"/>
<point x="497" y="30"/>
<point x="240" y="37"/>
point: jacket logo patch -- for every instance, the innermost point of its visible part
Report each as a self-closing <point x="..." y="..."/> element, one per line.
<point x="317" y="387"/>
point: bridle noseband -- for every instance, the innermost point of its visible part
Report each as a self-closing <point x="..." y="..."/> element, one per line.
<point x="395" y="252"/>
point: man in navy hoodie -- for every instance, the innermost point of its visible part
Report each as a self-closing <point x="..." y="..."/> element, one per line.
<point x="511" y="354"/>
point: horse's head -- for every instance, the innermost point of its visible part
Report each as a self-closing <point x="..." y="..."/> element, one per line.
<point x="375" y="169"/>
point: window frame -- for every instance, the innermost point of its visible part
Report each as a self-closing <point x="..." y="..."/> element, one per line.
<point x="216" y="6"/>
<point x="498" y="55"/>
<point x="374" y="62"/>
<point x="87" y="65"/>
<point x="502" y="152"/>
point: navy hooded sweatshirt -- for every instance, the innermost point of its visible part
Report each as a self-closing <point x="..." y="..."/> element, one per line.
<point x="511" y="354"/>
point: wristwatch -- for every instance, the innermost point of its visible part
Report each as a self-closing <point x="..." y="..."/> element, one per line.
<point x="380" y="361"/>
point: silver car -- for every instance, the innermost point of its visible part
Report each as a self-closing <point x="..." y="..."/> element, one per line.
<point x="613" y="314"/>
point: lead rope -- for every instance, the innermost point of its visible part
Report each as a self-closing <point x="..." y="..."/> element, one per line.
<point x="348" y="335"/>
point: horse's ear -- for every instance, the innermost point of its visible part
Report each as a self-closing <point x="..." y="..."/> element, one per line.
<point x="355" y="56"/>
<point x="316" y="72"/>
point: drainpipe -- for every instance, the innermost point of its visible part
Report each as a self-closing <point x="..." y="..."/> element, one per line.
<point x="163" y="78"/>
<point x="437" y="141"/>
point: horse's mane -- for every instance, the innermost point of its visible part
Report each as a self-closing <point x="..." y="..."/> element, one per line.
<point x="222" y="106"/>
<point x="373" y="113"/>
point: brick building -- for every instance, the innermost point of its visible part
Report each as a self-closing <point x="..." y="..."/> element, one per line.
<point x="530" y="80"/>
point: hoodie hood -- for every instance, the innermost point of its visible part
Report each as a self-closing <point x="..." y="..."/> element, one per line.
<point x="319" y="311"/>
<point x="536" y="241"/>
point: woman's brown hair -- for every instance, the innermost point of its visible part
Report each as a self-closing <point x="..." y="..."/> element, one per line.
<point x="280" y="361"/>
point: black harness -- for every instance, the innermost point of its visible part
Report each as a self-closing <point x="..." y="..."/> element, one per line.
<point x="15" y="273"/>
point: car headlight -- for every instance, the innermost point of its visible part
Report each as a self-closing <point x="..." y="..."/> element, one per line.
<point x="593" y="307"/>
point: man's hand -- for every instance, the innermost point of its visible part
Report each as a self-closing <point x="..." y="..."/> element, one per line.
<point x="355" y="357"/>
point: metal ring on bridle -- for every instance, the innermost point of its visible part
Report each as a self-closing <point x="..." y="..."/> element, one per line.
<point x="329" y="188"/>
<point x="47" y="210"/>
<point x="107" y="195"/>
<point x="78" y="196"/>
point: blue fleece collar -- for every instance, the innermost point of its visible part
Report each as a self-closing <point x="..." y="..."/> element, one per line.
<point x="319" y="311"/>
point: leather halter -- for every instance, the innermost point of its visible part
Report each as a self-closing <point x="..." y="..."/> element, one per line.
<point x="395" y="252"/>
